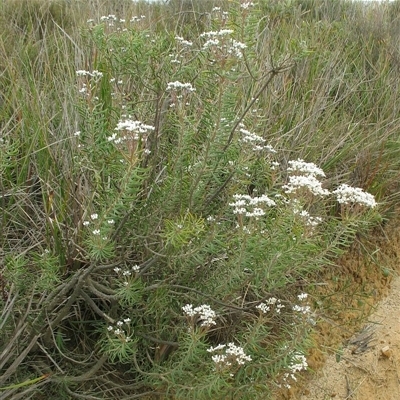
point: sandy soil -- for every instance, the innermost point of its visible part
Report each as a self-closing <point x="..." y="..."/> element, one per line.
<point x="357" y="353"/>
<point x="369" y="366"/>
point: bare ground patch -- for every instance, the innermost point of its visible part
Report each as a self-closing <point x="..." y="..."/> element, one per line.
<point x="356" y="352"/>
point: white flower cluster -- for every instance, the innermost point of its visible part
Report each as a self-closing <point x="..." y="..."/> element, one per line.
<point x="306" y="168"/>
<point x="307" y="218"/>
<point x="302" y="309"/>
<point x="236" y="48"/>
<point x="109" y="18"/>
<point x="298" y="363"/>
<point x="96" y="228"/>
<point x="183" y="42"/>
<point x="135" y="129"/>
<point x="346" y="194"/>
<point x="180" y="86"/>
<point x="135" y="18"/>
<point x="250" y="206"/>
<point x="272" y="301"/>
<point x="119" y="82"/>
<point x="302" y="296"/>
<point x="214" y="34"/>
<point x="256" y="141"/>
<point x="308" y="179"/>
<point x="126" y="273"/>
<point x="246" y="5"/>
<point x="94" y="217"/>
<point x="305" y="175"/>
<point x="94" y="74"/>
<point x="218" y="39"/>
<point x="232" y="354"/>
<point x="204" y="313"/>
<point x="133" y="126"/>
<point x="263" y="307"/>
<point x="217" y="10"/>
<point x="119" y="331"/>
<point x="305" y="181"/>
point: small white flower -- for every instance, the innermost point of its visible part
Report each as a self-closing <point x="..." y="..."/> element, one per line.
<point x="96" y="232"/>
<point x="302" y="309"/>
<point x="136" y="268"/>
<point x="110" y="222"/>
<point x="247" y="5"/>
<point x="302" y="296"/>
<point x="94" y="216"/>
<point x="279" y="307"/>
<point x="86" y="223"/>
<point x="127" y="320"/>
<point x="216" y="348"/>
<point x="219" y="358"/>
<point x="272" y="300"/>
<point x="263" y="307"/>
<point x="274" y="165"/>
<point x="188" y="310"/>
<point x="82" y="72"/>
<point x="299" y="363"/>
<point x="182" y="41"/>
<point x="222" y="32"/>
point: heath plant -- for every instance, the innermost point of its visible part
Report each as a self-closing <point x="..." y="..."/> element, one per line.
<point x="164" y="214"/>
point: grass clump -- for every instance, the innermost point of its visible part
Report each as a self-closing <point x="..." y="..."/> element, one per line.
<point x="161" y="227"/>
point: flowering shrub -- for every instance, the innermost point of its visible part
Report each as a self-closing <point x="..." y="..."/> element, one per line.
<point x="174" y="198"/>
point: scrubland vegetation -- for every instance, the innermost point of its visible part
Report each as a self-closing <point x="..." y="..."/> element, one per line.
<point x="173" y="177"/>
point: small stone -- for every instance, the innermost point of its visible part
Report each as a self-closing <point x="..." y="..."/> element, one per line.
<point x="386" y="352"/>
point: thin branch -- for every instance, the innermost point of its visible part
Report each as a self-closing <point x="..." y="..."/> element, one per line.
<point x="96" y="309"/>
<point x="87" y="375"/>
<point x="155" y="340"/>
<point x="50" y="358"/>
<point x="273" y="72"/>
<point x="12" y="368"/>
<point x="81" y="396"/>
<point x="97" y="289"/>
